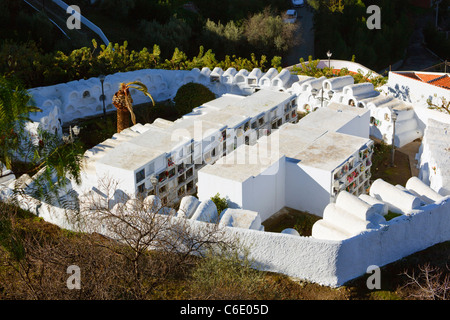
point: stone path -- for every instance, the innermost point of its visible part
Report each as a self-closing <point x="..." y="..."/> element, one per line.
<point x="411" y="149"/>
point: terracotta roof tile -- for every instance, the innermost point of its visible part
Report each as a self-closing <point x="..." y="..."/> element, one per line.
<point x="443" y="82"/>
<point x="409" y="75"/>
<point x="439" y="80"/>
<point x="428" y="77"/>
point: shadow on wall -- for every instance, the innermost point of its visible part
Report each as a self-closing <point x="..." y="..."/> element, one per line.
<point x="402" y="92"/>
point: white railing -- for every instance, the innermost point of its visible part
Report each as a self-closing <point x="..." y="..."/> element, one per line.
<point x="85" y="21"/>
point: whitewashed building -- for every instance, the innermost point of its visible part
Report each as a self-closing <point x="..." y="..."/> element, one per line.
<point x="302" y="166"/>
<point x="315" y="93"/>
<point x="434" y="156"/>
<point x="173" y="152"/>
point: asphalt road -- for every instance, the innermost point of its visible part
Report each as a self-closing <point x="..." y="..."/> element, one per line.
<point x="305" y="29"/>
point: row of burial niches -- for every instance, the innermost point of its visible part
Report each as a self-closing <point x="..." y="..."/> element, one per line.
<point x="354" y="174"/>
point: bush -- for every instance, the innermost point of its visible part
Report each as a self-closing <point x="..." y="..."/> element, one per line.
<point x="226" y="275"/>
<point x="190" y="96"/>
<point x="221" y="203"/>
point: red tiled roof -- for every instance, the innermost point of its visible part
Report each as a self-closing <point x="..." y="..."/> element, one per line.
<point x="409" y="75"/>
<point x="443" y="82"/>
<point x="427" y="77"/>
<point x="440" y="80"/>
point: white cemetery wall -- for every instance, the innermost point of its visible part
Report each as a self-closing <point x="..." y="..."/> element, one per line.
<point x="307" y="189"/>
<point x="264" y="193"/>
<point x="209" y="185"/>
<point x="399" y="238"/>
<point x="358" y="126"/>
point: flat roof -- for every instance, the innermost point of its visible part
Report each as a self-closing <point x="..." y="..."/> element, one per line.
<point x="259" y="102"/>
<point x="159" y="140"/>
<point x="223" y="101"/>
<point x="330" y="150"/>
<point x="192" y="127"/>
<point x="313" y="142"/>
<point x="225" y="118"/>
<point x="333" y="117"/>
<point x="129" y="156"/>
<point x="243" y="163"/>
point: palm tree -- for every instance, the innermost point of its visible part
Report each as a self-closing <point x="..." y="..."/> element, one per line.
<point x="51" y="157"/>
<point x="124" y="103"/>
<point x="15" y="107"/>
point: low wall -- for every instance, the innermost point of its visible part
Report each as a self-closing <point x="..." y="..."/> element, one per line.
<point x="65" y="102"/>
<point x="341" y="64"/>
<point x="327" y="262"/>
<point x="399" y="238"/>
<point x="423" y="114"/>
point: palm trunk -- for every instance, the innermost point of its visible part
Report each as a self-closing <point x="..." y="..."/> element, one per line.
<point x="123" y="119"/>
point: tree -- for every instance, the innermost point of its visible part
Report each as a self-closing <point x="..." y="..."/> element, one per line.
<point x="444" y="106"/>
<point x="14" y="113"/>
<point x="123" y="101"/>
<point x="221" y="203"/>
<point x="268" y="33"/>
<point x="432" y="282"/>
<point x="174" y="33"/>
<point x="146" y="234"/>
<point x="191" y="95"/>
<point x="50" y="159"/>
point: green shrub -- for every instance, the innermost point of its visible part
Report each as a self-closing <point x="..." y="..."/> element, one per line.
<point x="226" y="275"/>
<point x="190" y="96"/>
<point x="221" y="203"/>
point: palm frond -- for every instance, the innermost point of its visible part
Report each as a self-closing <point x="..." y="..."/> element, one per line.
<point x="141" y="87"/>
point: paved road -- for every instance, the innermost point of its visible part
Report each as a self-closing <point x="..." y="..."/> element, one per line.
<point x="305" y="28"/>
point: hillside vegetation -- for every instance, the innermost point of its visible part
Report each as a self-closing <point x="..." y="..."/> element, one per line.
<point x="35" y="255"/>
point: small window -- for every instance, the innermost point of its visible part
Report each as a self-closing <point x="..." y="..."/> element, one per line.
<point x="140" y="175"/>
<point x="141" y="188"/>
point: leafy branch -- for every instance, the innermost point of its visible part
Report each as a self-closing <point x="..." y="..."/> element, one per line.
<point x="443" y="107"/>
